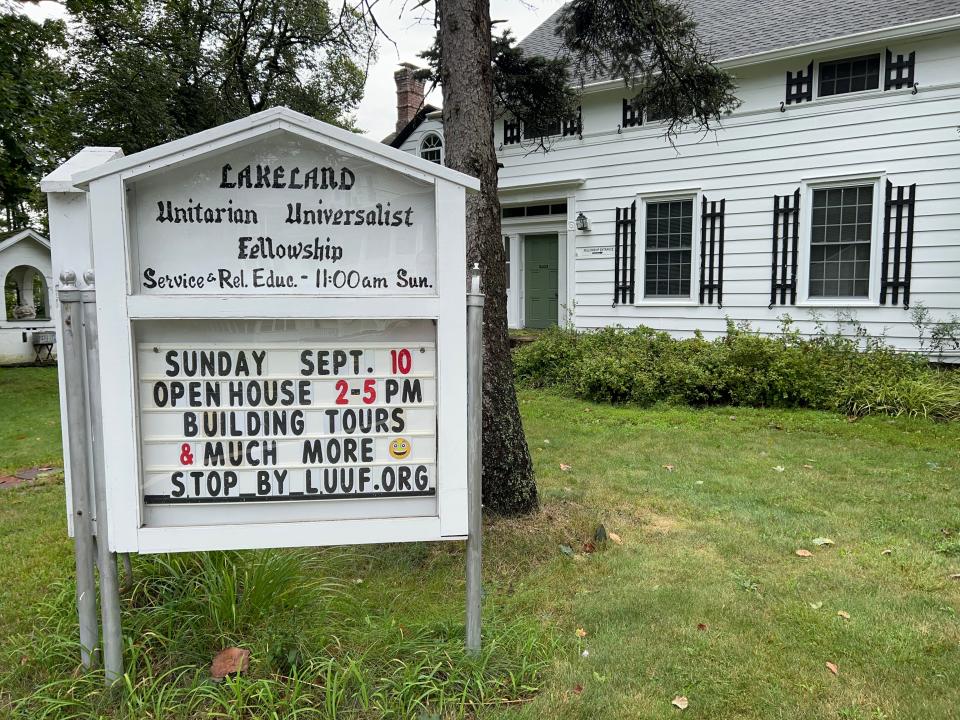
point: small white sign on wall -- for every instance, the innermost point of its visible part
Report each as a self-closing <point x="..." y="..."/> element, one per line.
<point x="589" y="253"/>
<point x="282" y="340"/>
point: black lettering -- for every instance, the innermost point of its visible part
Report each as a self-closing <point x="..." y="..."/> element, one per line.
<point x="223" y="181"/>
<point x="263" y="482"/>
<point x="179" y="489"/>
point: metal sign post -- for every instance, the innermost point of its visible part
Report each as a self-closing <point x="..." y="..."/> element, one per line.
<point x="474" y="460"/>
<point x="106" y="560"/>
<point x="71" y="333"/>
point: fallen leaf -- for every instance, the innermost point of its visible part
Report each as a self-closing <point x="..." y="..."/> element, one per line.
<point x="807" y="467"/>
<point x="833" y="668"/>
<point x="585" y="653"/>
<point x="733" y="417"/>
<point x="566" y="550"/>
<point x="578" y="688"/>
<point x="955" y="576"/>
<point x="852" y="418"/>
<point x="546" y="442"/>
<point x="600" y="534"/>
<point x="589" y="547"/>
<point x="565" y="467"/>
<point x="680" y="701"/>
<point x="779" y="468"/>
<point x="804" y="553"/>
<point x="888" y="551"/>
<point x="581" y="633"/>
<point x="844" y="614"/>
<point x="615" y="539"/>
<point x="229" y="661"/>
<point x="823" y="541"/>
<point x="816" y="605"/>
<point x="699" y="482"/>
<point x="668" y="468"/>
<point x="702" y="627"/>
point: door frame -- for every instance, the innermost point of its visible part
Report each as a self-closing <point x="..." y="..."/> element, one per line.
<point x="516" y="296"/>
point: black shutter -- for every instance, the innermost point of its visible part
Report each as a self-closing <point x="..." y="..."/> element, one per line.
<point x="572" y="125"/>
<point x="711" y="251"/>
<point x="800" y="88"/>
<point x="632" y="114"/>
<point x="898" y="230"/>
<point x="511" y="132"/>
<point x="786" y="231"/>
<point x="624" y="254"/>
<point x="900" y="73"/>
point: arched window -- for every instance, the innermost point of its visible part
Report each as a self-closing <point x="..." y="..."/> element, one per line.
<point x="431" y="148"/>
<point x="25" y="294"/>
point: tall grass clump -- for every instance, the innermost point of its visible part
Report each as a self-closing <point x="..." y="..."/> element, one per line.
<point x="318" y="648"/>
<point x="856" y="375"/>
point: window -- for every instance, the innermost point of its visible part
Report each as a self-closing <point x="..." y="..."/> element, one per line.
<point x="432" y="148"/>
<point x="841" y="230"/>
<point x="519" y="211"/>
<point x="668" y="246"/>
<point x="535" y="132"/>
<point x="849" y="75"/>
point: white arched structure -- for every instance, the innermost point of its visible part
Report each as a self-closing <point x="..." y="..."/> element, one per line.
<point x="25" y="268"/>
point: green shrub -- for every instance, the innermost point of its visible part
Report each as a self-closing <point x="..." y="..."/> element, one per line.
<point x="857" y="375"/>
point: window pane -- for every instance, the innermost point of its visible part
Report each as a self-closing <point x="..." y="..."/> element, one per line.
<point x="849" y="75"/>
<point x="668" y="245"/>
<point x="432" y="148"/>
<point x="840" y="246"/>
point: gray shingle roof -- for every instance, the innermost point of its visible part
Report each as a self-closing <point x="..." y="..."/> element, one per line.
<point x="733" y="28"/>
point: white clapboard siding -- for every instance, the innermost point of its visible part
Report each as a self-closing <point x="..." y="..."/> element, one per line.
<point x="756" y="153"/>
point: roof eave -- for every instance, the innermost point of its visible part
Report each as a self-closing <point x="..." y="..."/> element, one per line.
<point x="25" y="234"/>
<point x="923" y="27"/>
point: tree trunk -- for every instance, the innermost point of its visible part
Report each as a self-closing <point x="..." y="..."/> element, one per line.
<point x="468" y="112"/>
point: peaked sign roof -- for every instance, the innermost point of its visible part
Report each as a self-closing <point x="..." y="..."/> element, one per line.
<point x="264" y="124"/>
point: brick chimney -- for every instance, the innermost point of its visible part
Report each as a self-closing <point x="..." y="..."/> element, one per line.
<point x="409" y="94"/>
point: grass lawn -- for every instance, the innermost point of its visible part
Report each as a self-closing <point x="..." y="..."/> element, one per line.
<point x="705" y="597"/>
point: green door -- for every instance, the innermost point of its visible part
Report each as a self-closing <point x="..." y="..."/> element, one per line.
<point x="541" y="278"/>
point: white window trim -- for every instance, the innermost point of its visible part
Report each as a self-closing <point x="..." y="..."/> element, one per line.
<point x="443" y="145"/>
<point x="807" y="186"/>
<point x="694" y="194"/>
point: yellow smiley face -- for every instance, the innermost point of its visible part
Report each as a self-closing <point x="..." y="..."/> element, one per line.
<point x="400" y="448"/>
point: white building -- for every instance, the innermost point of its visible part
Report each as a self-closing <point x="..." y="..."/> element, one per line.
<point x="833" y="189"/>
<point x="27" y="279"/>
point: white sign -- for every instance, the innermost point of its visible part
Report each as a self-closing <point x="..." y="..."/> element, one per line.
<point x="283" y="340"/>
<point x="228" y="424"/>
<point x="283" y="216"/>
<point x="595" y="252"/>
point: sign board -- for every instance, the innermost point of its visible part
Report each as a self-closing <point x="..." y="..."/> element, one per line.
<point x="587" y="253"/>
<point x="281" y="308"/>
